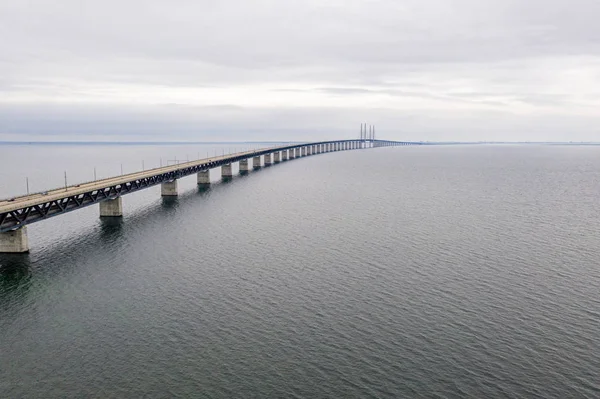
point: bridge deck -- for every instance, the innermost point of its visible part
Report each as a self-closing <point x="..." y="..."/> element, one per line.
<point x="22" y="210"/>
<point x="59" y="193"/>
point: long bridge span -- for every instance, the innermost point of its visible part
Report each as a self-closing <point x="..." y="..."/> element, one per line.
<point x="16" y="213"/>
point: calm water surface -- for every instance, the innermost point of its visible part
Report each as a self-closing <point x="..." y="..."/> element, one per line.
<point x="399" y="272"/>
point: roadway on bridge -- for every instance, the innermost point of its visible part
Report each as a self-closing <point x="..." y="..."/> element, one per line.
<point x="59" y="193"/>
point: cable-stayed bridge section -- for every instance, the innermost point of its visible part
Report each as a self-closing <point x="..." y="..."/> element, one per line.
<point x="16" y="213"/>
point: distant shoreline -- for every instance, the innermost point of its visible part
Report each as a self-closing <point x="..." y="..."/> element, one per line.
<point x="582" y="143"/>
<point x="140" y="142"/>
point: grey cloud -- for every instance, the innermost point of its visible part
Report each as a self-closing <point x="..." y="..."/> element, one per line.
<point x="187" y="123"/>
<point x="498" y="54"/>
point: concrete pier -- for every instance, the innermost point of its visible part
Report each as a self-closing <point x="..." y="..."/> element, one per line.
<point x="111" y="208"/>
<point x="268" y="159"/>
<point x="297" y="153"/>
<point x="292" y="154"/>
<point x="244" y="168"/>
<point x="226" y="171"/>
<point x="169" y="189"/>
<point x="303" y="151"/>
<point x="203" y="177"/>
<point x="284" y="155"/>
<point x="277" y="156"/>
<point x="256" y="162"/>
<point x="14" y="241"/>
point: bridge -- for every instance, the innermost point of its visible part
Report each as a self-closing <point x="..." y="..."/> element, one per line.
<point x="16" y="213"/>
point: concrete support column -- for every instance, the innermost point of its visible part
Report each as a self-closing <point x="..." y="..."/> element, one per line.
<point x="111" y="208"/>
<point x="268" y="159"/>
<point x="284" y="155"/>
<point x="169" y="189"/>
<point x="309" y="150"/>
<point x="256" y="162"/>
<point x="14" y="241"/>
<point x="244" y="166"/>
<point x="303" y="151"/>
<point x="292" y="154"/>
<point x="203" y="177"/>
<point x="277" y="157"/>
<point x="226" y="171"/>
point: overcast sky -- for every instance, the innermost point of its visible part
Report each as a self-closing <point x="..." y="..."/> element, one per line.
<point x="299" y="70"/>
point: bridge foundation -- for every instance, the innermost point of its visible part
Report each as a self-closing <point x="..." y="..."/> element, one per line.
<point x="303" y="151"/>
<point x="256" y="162"/>
<point x="169" y="189"/>
<point x="111" y="208"/>
<point x="244" y="168"/>
<point x="277" y="156"/>
<point x="268" y="159"/>
<point x="296" y="152"/>
<point x="226" y="171"/>
<point x="292" y="154"/>
<point x="14" y="241"/>
<point x="284" y="155"/>
<point x="203" y="177"/>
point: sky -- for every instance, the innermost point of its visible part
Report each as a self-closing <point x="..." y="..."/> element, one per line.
<point x="286" y="70"/>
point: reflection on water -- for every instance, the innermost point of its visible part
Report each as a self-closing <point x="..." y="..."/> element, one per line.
<point x="15" y="274"/>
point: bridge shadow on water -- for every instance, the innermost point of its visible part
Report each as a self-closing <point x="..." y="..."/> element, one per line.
<point x="95" y="239"/>
<point x="102" y="235"/>
<point x="15" y="275"/>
